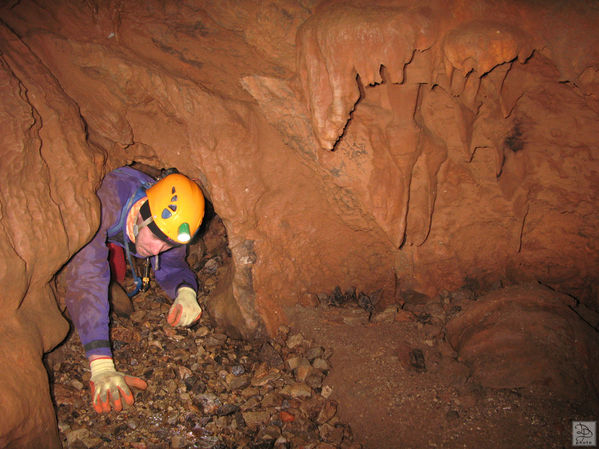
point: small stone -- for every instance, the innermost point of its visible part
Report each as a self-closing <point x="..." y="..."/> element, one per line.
<point x="293" y="362"/>
<point x="286" y="416"/>
<point x="82" y="438"/>
<point x="211" y="266"/>
<point x="209" y="403"/>
<point x="171" y="386"/>
<point x="297" y="390"/>
<point x="271" y="399"/>
<point x="331" y="434"/>
<point x="64" y="427"/>
<point x="172" y="418"/>
<point x="215" y="340"/>
<point x="138" y="316"/>
<point x="77" y="385"/>
<point x="283" y="331"/>
<point x="118" y="430"/>
<point x="387" y="315"/>
<point x="156" y="344"/>
<point x="268" y="378"/>
<point x="183" y="372"/>
<point x="194" y="384"/>
<point x="314" y="352"/>
<point x="251" y="403"/>
<point x="139" y="445"/>
<point x="326" y="391"/>
<point x="79" y="434"/>
<point x="269" y="433"/>
<point x="270" y="356"/>
<point x="325" y="446"/>
<point x="320" y="364"/>
<point x="295" y="340"/>
<point x="261" y="370"/>
<point x="177" y="442"/>
<point x="237" y="370"/>
<point x="452" y="414"/>
<point x="417" y="360"/>
<point x="249" y="392"/>
<point x="281" y="442"/>
<point x="314" y="380"/>
<point x="303" y="370"/>
<point x="328" y="410"/>
<point x="328" y="352"/>
<point x="256" y="418"/>
<point x="227" y="409"/>
<point x="237" y="382"/>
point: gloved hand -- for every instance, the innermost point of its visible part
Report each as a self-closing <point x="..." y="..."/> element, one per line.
<point x="185" y="310"/>
<point x="109" y="386"/>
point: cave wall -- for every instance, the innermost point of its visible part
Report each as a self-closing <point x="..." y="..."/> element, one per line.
<point x="390" y="146"/>
<point x="45" y="219"/>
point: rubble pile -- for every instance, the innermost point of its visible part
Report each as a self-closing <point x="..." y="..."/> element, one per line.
<point x="205" y="390"/>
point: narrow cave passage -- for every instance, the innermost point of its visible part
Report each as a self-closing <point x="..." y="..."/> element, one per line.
<point x="205" y="389"/>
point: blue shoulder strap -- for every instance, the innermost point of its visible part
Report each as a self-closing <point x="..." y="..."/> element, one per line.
<point x="121" y="225"/>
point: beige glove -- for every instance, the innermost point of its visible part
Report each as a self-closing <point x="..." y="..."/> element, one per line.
<point x="185" y="310"/>
<point x="109" y="386"/>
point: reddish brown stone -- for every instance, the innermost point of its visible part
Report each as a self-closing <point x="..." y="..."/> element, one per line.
<point x="527" y="337"/>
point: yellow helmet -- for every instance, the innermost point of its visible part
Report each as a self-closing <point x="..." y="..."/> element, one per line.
<point x="176" y="205"/>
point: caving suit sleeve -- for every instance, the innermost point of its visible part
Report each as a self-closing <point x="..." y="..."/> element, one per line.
<point x="87" y="277"/>
<point x="173" y="271"/>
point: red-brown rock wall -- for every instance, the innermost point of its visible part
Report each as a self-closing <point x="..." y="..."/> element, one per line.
<point x="527" y="337"/>
<point x="48" y="210"/>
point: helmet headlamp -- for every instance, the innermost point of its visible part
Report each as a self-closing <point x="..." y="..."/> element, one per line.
<point x="184" y="235"/>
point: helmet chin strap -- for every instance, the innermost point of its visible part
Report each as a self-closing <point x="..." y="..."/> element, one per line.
<point x="137" y="228"/>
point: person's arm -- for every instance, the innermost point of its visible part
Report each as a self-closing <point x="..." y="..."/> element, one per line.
<point x="87" y="276"/>
<point x="174" y="272"/>
<point x="178" y="281"/>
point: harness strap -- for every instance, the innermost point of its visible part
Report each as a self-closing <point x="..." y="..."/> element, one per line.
<point x="122" y="226"/>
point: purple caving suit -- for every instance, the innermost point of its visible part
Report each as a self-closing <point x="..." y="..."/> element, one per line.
<point x="87" y="274"/>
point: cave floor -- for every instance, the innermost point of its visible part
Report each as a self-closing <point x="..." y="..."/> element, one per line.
<point x="392" y="399"/>
<point x="374" y="381"/>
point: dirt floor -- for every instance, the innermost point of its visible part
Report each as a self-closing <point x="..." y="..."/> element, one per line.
<point x="393" y="399"/>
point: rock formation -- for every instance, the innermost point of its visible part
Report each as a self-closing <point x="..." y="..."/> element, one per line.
<point x="528" y="337"/>
<point x="390" y="145"/>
